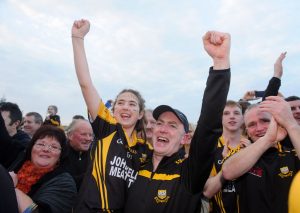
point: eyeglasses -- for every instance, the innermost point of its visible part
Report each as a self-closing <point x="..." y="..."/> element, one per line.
<point x="51" y="148"/>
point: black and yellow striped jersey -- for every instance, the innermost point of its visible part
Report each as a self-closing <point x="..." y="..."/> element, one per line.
<point x="114" y="166"/>
<point x="226" y="200"/>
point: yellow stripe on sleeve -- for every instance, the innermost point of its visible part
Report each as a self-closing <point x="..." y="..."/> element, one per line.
<point x="105" y="114"/>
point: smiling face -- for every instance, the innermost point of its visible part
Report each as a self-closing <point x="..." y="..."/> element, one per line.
<point x="168" y="135"/>
<point x="81" y="136"/>
<point x="126" y="110"/>
<point x="30" y="126"/>
<point x="256" y="123"/>
<point x="46" y="152"/>
<point x="232" y="119"/>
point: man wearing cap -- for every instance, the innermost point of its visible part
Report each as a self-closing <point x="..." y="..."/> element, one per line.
<point x="169" y="182"/>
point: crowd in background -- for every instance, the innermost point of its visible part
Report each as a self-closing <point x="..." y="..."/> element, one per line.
<point x="241" y="156"/>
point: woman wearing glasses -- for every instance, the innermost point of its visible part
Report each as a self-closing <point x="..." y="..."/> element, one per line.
<point x="38" y="183"/>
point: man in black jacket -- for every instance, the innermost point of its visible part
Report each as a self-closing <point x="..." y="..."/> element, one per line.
<point x="12" y="141"/>
<point x="80" y="136"/>
<point x="169" y="182"/>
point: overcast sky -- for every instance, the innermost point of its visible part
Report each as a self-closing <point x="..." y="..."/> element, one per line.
<point x="154" y="46"/>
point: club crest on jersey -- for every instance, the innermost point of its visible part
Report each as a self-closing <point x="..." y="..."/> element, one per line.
<point x="285" y="172"/>
<point x="161" y="196"/>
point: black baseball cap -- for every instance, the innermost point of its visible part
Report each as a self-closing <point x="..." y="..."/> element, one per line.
<point x="165" y="108"/>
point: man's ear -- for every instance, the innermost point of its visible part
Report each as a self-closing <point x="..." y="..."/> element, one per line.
<point x="70" y="135"/>
<point x="185" y="139"/>
<point x="16" y="124"/>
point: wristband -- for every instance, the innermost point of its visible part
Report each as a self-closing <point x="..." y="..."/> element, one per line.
<point x="73" y="36"/>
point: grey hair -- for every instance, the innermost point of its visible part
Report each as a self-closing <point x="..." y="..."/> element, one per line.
<point x="72" y="125"/>
<point x="37" y="117"/>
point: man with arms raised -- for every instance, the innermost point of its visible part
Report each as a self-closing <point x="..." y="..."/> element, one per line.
<point x="169" y="182"/>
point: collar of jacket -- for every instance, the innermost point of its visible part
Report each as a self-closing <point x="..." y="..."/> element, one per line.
<point x="167" y="161"/>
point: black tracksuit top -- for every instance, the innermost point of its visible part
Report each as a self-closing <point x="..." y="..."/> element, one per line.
<point x="177" y="183"/>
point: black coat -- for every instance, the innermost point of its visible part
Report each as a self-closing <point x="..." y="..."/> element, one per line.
<point x="11" y="147"/>
<point x="76" y="164"/>
<point x="177" y="183"/>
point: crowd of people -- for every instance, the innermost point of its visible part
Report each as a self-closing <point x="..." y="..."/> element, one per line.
<point x="239" y="157"/>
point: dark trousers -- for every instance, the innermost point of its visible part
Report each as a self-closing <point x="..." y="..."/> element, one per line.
<point x="8" y="200"/>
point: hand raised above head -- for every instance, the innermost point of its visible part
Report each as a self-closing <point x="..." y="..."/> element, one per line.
<point x="217" y="45"/>
<point x="80" y="28"/>
<point x="250" y="95"/>
<point x="278" y="70"/>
